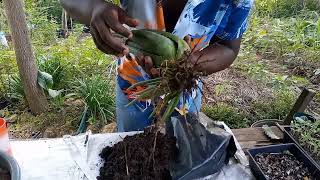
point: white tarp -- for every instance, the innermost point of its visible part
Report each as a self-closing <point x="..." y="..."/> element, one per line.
<point x="50" y="159"/>
<point x="54" y="159"/>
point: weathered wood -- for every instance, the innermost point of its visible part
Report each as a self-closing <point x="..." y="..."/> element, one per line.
<point x="26" y="64"/>
<point x="255" y="134"/>
<point x="255" y="137"/>
<point x="300" y="105"/>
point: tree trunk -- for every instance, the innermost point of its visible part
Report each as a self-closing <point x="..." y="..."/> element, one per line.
<point x="26" y="64"/>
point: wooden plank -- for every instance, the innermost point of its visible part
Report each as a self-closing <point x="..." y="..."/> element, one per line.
<point x="254" y="137"/>
<point x="255" y="134"/>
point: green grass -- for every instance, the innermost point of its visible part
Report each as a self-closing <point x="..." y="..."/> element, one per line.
<point x="228" y="114"/>
<point x="276" y="108"/>
<point x="98" y="94"/>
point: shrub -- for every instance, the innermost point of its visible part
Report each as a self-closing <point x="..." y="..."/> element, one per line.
<point x="228" y="114"/>
<point x="276" y="108"/>
<point x="98" y="94"/>
<point x="285" y="8"/>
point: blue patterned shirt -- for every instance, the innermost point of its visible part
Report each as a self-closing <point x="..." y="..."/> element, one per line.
<point x="201" y="19"/>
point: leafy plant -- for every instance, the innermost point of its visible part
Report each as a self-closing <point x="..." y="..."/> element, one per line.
<point x="308" y="134"/>
<point x="57" y="70"/>
<point x="228" y="114"/>
<point x="15" y="88"/>
<point x="98" y="94"/>
<point x="276" y="108"/>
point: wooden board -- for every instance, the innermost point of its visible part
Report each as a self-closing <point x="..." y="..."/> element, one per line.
<point x="254" y="137"/>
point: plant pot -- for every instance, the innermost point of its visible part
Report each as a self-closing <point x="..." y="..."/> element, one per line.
<point x="9" y="163"/>
<point x="292" y="148"/>
<point x="269" y="122"/>
<point x="288" y="138"/>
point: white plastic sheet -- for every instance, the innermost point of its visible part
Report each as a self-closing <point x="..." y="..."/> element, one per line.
<point x="50" y="159"/>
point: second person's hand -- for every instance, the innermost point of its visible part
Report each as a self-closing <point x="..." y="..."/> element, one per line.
<point x="147" y="64"/>
<point x="107" y="17"/>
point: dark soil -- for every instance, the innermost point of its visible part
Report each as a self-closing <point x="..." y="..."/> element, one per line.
<point x="4" y="175"/>
<point x="282" y="166"/>
<point x="142" y="156"/>
<point x="308" y="148"/>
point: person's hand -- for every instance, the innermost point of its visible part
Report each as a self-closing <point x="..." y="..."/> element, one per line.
<point x="147" y="64"/>
<point x="106" y="17"/>
<point x="195" y="54"/>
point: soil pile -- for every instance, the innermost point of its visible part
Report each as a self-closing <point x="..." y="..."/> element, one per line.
<point x="4" y="174"/>
<point x="282" y="166"/>
<point x="142" y="156"/>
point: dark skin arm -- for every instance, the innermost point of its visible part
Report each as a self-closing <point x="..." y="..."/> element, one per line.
<point x="219" y="55"/>
<point x="105" y="17"/>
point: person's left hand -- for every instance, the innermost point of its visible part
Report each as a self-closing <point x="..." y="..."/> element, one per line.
<point x="195" y="55"/>
<point x="147" y="64"/>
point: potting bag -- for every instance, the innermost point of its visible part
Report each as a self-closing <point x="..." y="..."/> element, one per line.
<point x="201" y="153"/>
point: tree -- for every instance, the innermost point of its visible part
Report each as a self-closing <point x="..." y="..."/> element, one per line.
<point x="26" y="64"/>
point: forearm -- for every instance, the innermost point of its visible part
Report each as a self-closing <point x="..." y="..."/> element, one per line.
<point x="216" y="58"/>
<point x="80" y="10"/>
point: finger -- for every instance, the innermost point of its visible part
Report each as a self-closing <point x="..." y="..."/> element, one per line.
<point x="99" y="43"/>
<point x="155" y="72"/>
<point x="188" y="39"/>
<point x="140" y="59"/>
<point x="148" y="64"/>
<point x="109" y="40"/>
<point x="125" y="19"/>
<point x="196" y="57"/>
<point x="113" y="22"/>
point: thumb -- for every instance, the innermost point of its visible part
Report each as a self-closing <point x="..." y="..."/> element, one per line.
<point x="125" y="19"/>
<point x="187" y="38"/>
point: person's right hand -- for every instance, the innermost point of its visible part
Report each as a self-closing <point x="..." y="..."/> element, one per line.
<point x="106" y="17"/>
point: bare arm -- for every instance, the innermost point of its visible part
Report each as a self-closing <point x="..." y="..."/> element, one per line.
<point x="102" y="17"/>
<point x="80" y="10"/>
<point x="217" y="56"/>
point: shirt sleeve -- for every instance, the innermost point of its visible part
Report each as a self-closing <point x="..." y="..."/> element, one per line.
<point x="234" y="23"/>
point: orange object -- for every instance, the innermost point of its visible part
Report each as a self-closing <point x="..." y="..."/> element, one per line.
<point x="160" y="17"/>
<point x="4" y="137"/>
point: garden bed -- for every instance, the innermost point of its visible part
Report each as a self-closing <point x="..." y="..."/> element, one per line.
<point x="142" y="156"/>
<point x="276" y="162"/>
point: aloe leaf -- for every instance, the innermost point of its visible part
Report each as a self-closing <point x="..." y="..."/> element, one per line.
<point x="144" y="83"/>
